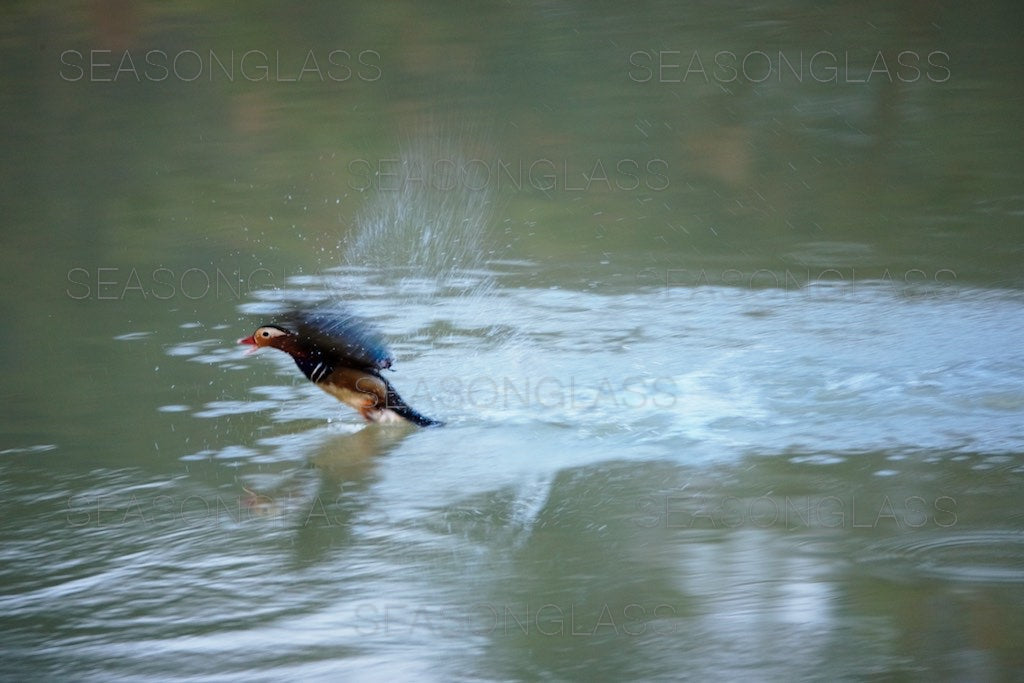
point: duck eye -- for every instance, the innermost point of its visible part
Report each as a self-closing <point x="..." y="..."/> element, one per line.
<point x="265" y="334"/>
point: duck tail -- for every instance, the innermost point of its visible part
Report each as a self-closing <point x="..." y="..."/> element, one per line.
<point x="404" y="410"/>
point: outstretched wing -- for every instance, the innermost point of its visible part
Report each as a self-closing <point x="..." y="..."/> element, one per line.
<point x="341" y="338"/>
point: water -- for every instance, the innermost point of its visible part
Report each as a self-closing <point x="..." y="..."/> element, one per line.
<point x="731" y="371"/>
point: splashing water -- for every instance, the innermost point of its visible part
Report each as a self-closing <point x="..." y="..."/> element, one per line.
<point x="431" y="219"/>
<point x="426" y="237"/>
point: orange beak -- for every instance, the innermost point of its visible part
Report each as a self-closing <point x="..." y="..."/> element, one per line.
<point x="251" y="341"/>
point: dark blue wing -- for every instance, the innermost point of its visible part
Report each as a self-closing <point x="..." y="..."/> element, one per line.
<point x="342" y="339"/>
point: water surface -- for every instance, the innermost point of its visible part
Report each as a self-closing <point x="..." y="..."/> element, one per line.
<point x="730" y="368"/>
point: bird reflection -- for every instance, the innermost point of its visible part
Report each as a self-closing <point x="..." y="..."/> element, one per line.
<point x="346" y="466"/>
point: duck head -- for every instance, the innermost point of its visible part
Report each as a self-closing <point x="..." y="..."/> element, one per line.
<point x="268" y="335"/>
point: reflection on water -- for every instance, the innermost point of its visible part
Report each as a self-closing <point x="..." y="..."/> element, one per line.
<point x="367" y="558"/>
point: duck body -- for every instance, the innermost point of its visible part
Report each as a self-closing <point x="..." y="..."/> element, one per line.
<point x="342" y="356"/>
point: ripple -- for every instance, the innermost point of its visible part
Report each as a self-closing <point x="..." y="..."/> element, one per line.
<point x="38" y="448"/>
<point x="174" y="408"/>
<point x="208" y="351"/>
<point x="832" y="253"/>
<point x="978" y="557"/>
<point x="225" y="408"/>
<point x="232" y="452"/>
<point x="187" y="349"/>
<point x="818" y="459"/>
<point x="132" y="336"/>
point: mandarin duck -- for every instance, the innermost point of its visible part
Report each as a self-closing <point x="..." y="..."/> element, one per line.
<point x="342" y="356"/>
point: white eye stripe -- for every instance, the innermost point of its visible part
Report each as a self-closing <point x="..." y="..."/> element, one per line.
<point x="268" y="333"/>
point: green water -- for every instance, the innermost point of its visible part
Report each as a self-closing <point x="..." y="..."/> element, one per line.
<point x="722" y="306"/>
